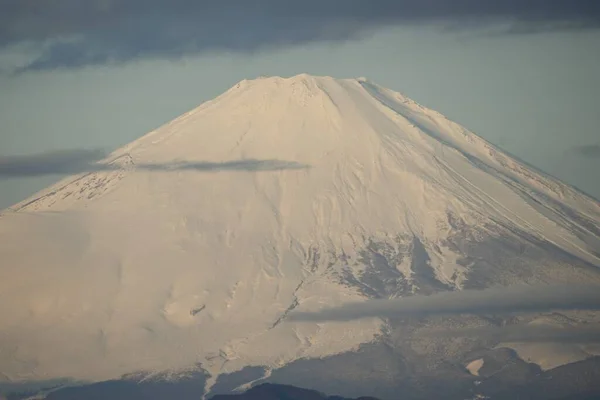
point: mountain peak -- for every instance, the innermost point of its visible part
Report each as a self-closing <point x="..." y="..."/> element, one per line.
<point x="303" y="78"/>
<point x="280" y="194"/>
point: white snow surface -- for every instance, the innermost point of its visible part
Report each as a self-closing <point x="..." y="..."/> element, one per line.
<point x="176" y="256"/>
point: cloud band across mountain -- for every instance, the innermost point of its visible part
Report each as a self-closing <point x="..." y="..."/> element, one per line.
<point x="585" y="333"/>
<point x="82" y="160"/>
<point x="509" y="300"/>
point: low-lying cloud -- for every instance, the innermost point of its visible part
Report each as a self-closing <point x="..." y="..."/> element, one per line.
<point x="587" y="151"/>
<point x="50" y="163"/>
<point x="74" y="33"/>
<point x="65" y="162"/>
<point x="507" y="300"/>
<point x="585" y="333"/>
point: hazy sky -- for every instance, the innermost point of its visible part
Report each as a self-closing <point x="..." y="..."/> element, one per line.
<point x="523" y="74"/>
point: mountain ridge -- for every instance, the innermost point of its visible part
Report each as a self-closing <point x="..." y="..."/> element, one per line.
<point x="193" y="243"/>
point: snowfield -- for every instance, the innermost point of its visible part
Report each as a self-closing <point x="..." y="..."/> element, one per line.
<point x="279" y="195"/>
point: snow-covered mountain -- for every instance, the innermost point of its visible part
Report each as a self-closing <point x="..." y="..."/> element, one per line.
<point x="191" y="245"/>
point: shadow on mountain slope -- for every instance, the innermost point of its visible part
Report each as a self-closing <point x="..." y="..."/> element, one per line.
<point x="267" y="391"/>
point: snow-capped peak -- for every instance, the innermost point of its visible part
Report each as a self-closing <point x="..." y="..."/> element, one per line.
<point x="197" y="239"/>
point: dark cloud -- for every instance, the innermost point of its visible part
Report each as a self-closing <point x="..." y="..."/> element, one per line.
<point x="533" y="27"/>
<point x="510" y="300"/>
<point x="74" y="33"/>
<point x="77" y="161"/>
<point x="50" y="163"/>
<point x="588" y="151"/>
<point x="584" y="333"/>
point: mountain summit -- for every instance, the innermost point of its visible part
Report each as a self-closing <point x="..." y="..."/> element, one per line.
<point x="192" y="244"/>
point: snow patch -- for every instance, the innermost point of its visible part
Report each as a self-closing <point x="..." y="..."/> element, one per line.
<point x="474" y="366"/>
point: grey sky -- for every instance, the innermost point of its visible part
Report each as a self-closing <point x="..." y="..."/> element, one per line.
<point x="71" y="33"/>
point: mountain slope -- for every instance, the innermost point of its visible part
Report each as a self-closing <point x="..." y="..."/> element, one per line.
<point x="281" y="392"/>
<point x="190" y="245"/>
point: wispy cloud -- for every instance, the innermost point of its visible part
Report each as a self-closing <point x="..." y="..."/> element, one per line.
<point x="236" y="165"/>
<point x="73" y="33"/>
<point x="50" y="163"/>
<point x="585" y="333"/>
<point x="588" y="151"/>
<point x="514" y="299"/>
<point x="81" y="160"/>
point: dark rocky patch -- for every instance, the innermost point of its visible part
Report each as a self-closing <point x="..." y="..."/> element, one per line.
<point x="580" y="380"/>
<point x="188" y="387"/>
<point x="423" y="273"/>
<point x="268" y="391"/>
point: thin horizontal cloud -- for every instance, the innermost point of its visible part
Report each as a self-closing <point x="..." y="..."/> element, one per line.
<point x="533" y="27"/>
<point x="73" y="33"/>
<point x="510" y="300"/>
<point x="587" y="151"/>
<point x="584" y="333"/>
<point x="81" y="160"/>
<point x="50" y="163"/>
